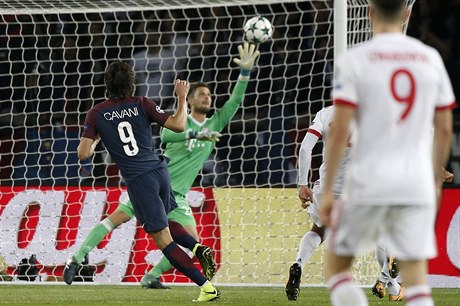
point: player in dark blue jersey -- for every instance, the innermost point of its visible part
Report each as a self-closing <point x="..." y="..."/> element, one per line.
<point x="123" y="122"/>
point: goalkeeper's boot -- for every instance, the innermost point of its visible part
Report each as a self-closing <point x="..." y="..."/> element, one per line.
<point x="393" y="268"/>
<point x="400" y="295"/>
<point x="379" y="289"/>
<point x="204" y="255"/>
<point x="70" y="270"/>
<point x="293" y="283"/>
<point x="208" y="293"/>
<point x="151" y="282"/>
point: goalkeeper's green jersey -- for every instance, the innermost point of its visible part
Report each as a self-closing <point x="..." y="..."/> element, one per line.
<point x="186" y="157"/>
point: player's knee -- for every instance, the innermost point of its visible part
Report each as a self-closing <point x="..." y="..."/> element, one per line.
<point x="119" y="217"/>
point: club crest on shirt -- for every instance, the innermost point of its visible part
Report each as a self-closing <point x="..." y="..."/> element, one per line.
<point x="159" y="110"/>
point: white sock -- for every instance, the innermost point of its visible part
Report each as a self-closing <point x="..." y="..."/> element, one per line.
<point x="419" y="295"/>
<point x="382" y="257"/>
<point x="380" y="254"/>
<point x="344" y="292"/>
<point x="310" y="241"/>
<point x="393" y="287"/>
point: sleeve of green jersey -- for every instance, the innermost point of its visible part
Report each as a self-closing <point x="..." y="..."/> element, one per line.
<point x="223" y="116"/>
<point x="166" y="136"/>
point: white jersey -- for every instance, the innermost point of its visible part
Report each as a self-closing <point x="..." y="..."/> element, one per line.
<point x="320" y="128"/>
<point x="396" y="83"/>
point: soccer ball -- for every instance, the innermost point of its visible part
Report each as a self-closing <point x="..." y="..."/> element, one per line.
<point x="258" y="30"/>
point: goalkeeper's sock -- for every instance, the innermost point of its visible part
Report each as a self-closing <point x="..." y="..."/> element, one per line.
<point x="181" y="236"/>
<point x="94" y="237"/>
<point x="179" y="259"/>
<point x="162" y="266"/>
<point x="344" y="292"/>
<point x="310" y="241"/>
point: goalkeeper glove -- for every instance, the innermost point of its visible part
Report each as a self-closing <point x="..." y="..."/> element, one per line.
<point x="204" y="135"/>
<point x="248" y="55"/>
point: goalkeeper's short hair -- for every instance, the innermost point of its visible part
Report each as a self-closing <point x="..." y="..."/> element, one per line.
<point x="195" y="86"/>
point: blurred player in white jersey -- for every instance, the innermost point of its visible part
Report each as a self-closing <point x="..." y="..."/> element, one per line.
<point x="310" y="198"/>
<point x="395" y="90"/>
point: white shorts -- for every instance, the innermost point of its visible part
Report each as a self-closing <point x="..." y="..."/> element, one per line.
<point x="313" y="209"/>
<point x="408" y="230"/>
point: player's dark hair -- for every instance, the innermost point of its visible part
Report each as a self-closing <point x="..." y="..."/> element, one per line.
<point x="195" y="86"/>
<point x="119" y="80"/>
<point x="389" y="10"/>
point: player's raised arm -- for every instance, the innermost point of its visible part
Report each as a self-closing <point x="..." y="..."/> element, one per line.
<point x="247" y="57"/>
<point x="86" y="147"/>
<point x="177" y="121"/>
<point x="89" y="139"/>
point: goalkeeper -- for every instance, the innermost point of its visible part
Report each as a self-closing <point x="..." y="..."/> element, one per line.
<point x="187" y="152"/>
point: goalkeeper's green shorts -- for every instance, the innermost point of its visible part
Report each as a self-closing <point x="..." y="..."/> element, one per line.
<point x="182" y="214"/>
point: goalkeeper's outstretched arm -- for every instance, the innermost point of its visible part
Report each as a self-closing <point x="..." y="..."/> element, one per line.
<point x="247" y="57"/>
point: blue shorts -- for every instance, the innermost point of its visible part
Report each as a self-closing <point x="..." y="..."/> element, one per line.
<point x="152" y="199"/>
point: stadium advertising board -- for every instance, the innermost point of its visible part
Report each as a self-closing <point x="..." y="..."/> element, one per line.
<point x="53" y="222"/>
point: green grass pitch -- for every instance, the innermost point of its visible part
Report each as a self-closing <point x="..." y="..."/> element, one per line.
<point x="179" y="295"/>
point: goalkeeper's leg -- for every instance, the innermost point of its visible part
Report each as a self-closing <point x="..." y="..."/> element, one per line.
<point x="184" y="217"/>
<point x="123" y="214"/>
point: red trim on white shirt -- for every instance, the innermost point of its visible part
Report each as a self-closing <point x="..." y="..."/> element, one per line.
<point x="444" y="107"/>
<point x="343" y="280"/>
<point x="314" y="132"/>
<point x="345" y="102"/>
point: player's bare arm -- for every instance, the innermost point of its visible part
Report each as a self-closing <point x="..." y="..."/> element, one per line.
<point x="338" y="139"/>
<point x="177" y="121"/>
<point x="86" y="147"/>
<point x="442" y="141"/>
